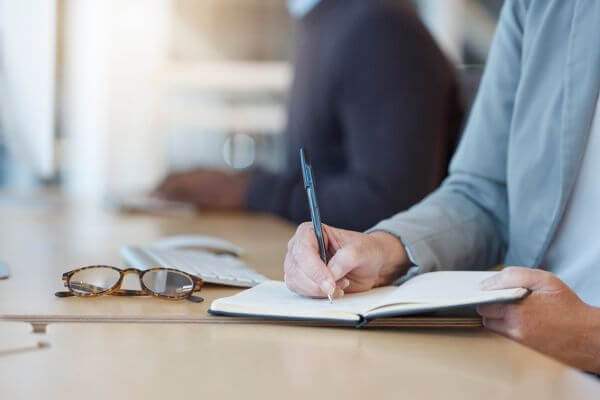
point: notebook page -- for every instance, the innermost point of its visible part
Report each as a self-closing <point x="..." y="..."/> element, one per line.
<point x="274" y="298"/>
<point x="445" y="288"/>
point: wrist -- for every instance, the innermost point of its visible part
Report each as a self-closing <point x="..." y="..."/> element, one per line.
<point x="395" y="261"/>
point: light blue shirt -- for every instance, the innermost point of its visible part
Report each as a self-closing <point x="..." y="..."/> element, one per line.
<point x="299" y="8"/>
<point x="516" y="169"/>
<point x="574" y="252"/>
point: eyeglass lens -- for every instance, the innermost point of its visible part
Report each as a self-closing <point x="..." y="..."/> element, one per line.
<point x="168" y="283"/>
<point x="100" y="279"/>
<point x="94" y="280"/>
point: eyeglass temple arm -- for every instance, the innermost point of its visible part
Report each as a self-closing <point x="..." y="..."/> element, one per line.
<point x="93" y="289"/>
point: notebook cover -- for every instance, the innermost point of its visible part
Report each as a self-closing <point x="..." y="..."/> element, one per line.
<point x="396" y="322"/>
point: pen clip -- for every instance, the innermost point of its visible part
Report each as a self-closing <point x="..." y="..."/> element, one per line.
<point x="306" y="169"/>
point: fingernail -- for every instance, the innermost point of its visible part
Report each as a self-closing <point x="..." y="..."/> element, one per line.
<point x="338" y="293"/>
<point x="332" y="293"/>
<point x="345" y="284"/>
<point x="327" y="288"/>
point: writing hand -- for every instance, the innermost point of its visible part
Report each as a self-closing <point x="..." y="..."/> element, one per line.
<point x="358" y="261"/>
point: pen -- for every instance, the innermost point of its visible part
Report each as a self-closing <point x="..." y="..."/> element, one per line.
<point x="309" y="186"/>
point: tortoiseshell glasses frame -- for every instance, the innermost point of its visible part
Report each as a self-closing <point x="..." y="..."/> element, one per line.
<point x="84" y="289"/>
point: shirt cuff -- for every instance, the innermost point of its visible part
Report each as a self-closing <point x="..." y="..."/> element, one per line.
<point x="414" y="268"/>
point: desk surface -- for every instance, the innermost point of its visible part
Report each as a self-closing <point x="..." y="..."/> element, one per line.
<point x="103" y="361"/>
<point x="94" y="361"/>
<point x="40" y="243"/>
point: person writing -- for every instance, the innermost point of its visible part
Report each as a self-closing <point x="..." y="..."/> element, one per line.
<point x="368" y="78"/>
<point x="522" y="190"/>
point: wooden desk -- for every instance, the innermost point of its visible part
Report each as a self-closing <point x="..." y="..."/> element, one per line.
<point x="41" y="242"/>
<point x="225" y="362"/>
<point x="98" y="361"/>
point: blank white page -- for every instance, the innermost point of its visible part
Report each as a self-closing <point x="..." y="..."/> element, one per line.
<point x="447" y="288"/>
<point x="274" y="298"/>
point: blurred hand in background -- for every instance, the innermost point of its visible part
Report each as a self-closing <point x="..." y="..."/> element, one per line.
<point x="206" y="189"/>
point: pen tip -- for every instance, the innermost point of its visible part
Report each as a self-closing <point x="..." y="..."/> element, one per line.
<point x="330" y="297"/>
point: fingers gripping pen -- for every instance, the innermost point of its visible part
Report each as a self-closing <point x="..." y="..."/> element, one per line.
<point x="309" y="186"/>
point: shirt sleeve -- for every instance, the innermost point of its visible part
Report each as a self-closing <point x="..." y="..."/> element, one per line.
<point x="464" y="224"/>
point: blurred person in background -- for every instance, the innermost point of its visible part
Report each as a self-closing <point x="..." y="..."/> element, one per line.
<point x="375" y="103"/>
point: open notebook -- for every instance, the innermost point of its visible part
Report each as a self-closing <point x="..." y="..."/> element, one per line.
<point x="428" y="292"/>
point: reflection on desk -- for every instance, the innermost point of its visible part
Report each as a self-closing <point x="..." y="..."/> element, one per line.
<point x="16" y="339"/>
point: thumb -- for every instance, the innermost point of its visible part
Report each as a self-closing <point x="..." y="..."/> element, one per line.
<point x="518" y="277"/>
<point x="344" y="261"/>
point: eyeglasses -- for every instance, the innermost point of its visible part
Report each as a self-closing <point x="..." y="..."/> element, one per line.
<point x="100" y="280"/>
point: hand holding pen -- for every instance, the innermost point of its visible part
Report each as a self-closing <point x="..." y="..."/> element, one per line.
<point x="315" y="216"/>
<point x="359" y="261"/>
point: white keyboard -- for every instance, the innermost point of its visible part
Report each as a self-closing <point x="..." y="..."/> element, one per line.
<point x="221" y="269"/>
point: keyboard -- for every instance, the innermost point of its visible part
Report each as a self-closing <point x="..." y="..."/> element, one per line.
<point x="222" y="269"/>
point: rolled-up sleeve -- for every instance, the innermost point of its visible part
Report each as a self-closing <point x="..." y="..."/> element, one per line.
<point x="464" y="223"/>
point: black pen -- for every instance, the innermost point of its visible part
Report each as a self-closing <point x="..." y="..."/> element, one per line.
<point x="315" y="216"/>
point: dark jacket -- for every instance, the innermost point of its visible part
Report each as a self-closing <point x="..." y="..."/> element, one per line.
<point x="375" y="103"/>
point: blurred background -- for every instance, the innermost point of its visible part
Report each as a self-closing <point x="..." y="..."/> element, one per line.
<point x="105" y="97"/>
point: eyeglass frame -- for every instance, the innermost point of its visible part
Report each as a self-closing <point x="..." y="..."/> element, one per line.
<point x="116" y="289"/>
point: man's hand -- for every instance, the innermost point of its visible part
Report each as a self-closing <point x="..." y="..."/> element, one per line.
<point x="358" y="261"/>
<point x="206" y="189"/>
<point x="552" y="319"/>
